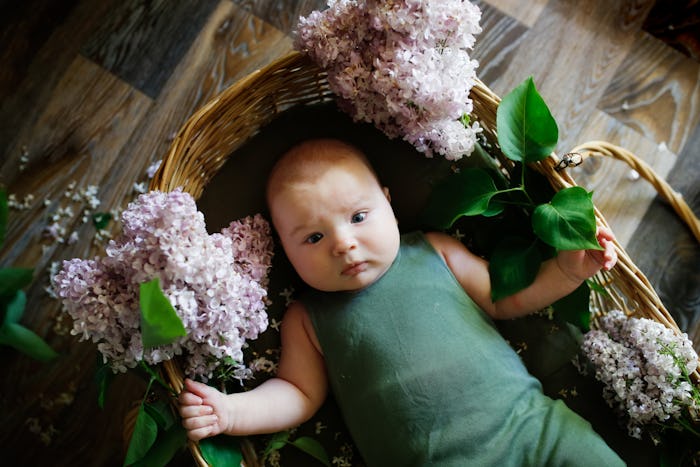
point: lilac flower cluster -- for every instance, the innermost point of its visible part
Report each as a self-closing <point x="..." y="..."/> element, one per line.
<point x="216" y="283"/>
<point x="645" y="369"/>
<point x="402" y="65"/>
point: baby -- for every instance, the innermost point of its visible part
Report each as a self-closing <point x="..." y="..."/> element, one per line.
<point x="400" y="327"/>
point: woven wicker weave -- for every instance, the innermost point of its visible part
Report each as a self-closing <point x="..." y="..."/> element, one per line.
<point x="215" y="132"/>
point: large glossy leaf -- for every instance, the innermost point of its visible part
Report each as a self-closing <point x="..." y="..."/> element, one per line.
<point x="161" y="413"/>
<point x="513" y="266"/>
<point x="15" y="305"/>
<point x="221" y="451"/>
<point x="103" y="379"/>
<point x="143" y="437"/>
<point x="574" y="308"/>
<point x="277" y="442"/>
<point x="568" y="221"/>
<point x="13" y="279"/>
<point x="467" y="193"/>
<point x="26" y="341"/>
<point x="17" y="336"/>
<point x="167" y="444"/>
<point x="160" y="324"/>
<point x="312" y="448"/>
<point x="526" y="129"/>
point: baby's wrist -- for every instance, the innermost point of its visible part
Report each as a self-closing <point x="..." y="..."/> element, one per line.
<point x="569" y="274"/>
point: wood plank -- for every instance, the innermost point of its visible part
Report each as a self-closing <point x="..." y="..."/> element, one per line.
<point x="23" y="35"/>
<point x="143" y="41"/>
<point x="37" y="66"/>
<point x="89" y="117"/>
<point x="498" y="42"/>
<point x="232" y="44"/>
<point x="283" y="14"/>
<point x="524" y="12"/>
<point x="656" y="91"/>
<point x="572" y="51"/>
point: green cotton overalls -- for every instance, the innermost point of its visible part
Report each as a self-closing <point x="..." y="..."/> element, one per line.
<point x="423" y="377"/>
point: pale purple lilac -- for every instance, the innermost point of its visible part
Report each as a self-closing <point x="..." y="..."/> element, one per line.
<point x="644" y="366"/>
<point x="216" y="283"/>
<point x="402" y="65"/>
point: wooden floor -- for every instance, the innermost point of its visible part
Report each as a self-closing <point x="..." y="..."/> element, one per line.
<point x="91" y="93"/>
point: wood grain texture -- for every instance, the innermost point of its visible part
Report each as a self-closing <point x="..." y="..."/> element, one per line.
<point x="281" y="14"/>
<point x="143" y="41"/>
<point x="77" y="138"/>
<point x="572" y="51"/>
<point x="525" y="12"/>
<point x="499" y="40"/>
<point x="25" y="34"/>
<point x="39" y="64"/>
<point x="656" y="91"/>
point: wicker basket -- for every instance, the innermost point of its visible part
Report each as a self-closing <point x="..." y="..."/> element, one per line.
<point x="214" y="133"/>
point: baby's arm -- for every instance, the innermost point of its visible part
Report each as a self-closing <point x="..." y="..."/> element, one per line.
<point x="556" y="278"/>
<point x="280" y="403"/>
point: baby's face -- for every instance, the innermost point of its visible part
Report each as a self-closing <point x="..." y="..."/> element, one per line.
<point x="339" y="230"/>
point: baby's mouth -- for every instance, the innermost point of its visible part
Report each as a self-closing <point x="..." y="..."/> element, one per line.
<point x="355" y="268"/>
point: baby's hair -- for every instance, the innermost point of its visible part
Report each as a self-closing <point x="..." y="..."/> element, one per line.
<point x="309" y="159"/>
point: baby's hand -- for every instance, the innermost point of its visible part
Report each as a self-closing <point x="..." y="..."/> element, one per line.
<point x="203" y="410"/>
<point x="582" y="264"/>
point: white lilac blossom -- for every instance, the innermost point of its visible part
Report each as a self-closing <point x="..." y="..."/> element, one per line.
<point x="645" y="369"/>
<point x="216" y="283"/>
<point x="402" y="65"/>
<point x="153" y="168"/>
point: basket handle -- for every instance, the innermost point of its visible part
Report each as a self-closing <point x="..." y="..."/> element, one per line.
<point x="603" y="148"/>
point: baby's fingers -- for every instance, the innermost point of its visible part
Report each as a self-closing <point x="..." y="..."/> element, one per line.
<point x="187" y="398"/>
<point x="605" y="238"/>
<point x="201" y="427"/>
<point x="604" y="233"/>
<point x="191" y="411"/>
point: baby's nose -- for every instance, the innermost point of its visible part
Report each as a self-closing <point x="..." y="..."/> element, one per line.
<point x="343" y="244"/>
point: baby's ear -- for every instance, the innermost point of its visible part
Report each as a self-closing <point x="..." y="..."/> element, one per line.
<point x="386" y="193"/>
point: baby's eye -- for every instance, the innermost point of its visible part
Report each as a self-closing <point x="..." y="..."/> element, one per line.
<point x="359" y="217"/>
<point x="314" y="238"/>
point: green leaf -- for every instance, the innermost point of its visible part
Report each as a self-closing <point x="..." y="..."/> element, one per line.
<point x="13" y="279"/>
<point x="574" y="308"/>
<point x="467" y="193"/>
<point x="221" y="451"/>
<point x="313" y="448"/>
<point x="26" y="341"/>
<point x="568" y="221"/>
<point x="167" y="444"/>
<point x="101" y="220"/>
<point x="161" y="413"/>
<point x="15" y="307"/>
<point x="103" y="378"/>
<point x="145" y="433"/>
<point x="277" y="441"/>
<point x="155" y="376"/>
<point x="3" y="215"/>
<point x="526" y="129"/>
<point x="597" y="288"/>
<point x="160" y="324"/>
<point x="513" y="266"/>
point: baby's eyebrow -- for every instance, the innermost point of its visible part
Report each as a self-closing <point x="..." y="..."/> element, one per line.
<point x="299" y="228"/>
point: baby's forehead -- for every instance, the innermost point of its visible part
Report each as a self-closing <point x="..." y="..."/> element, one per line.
<point x="310" y="160"/>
